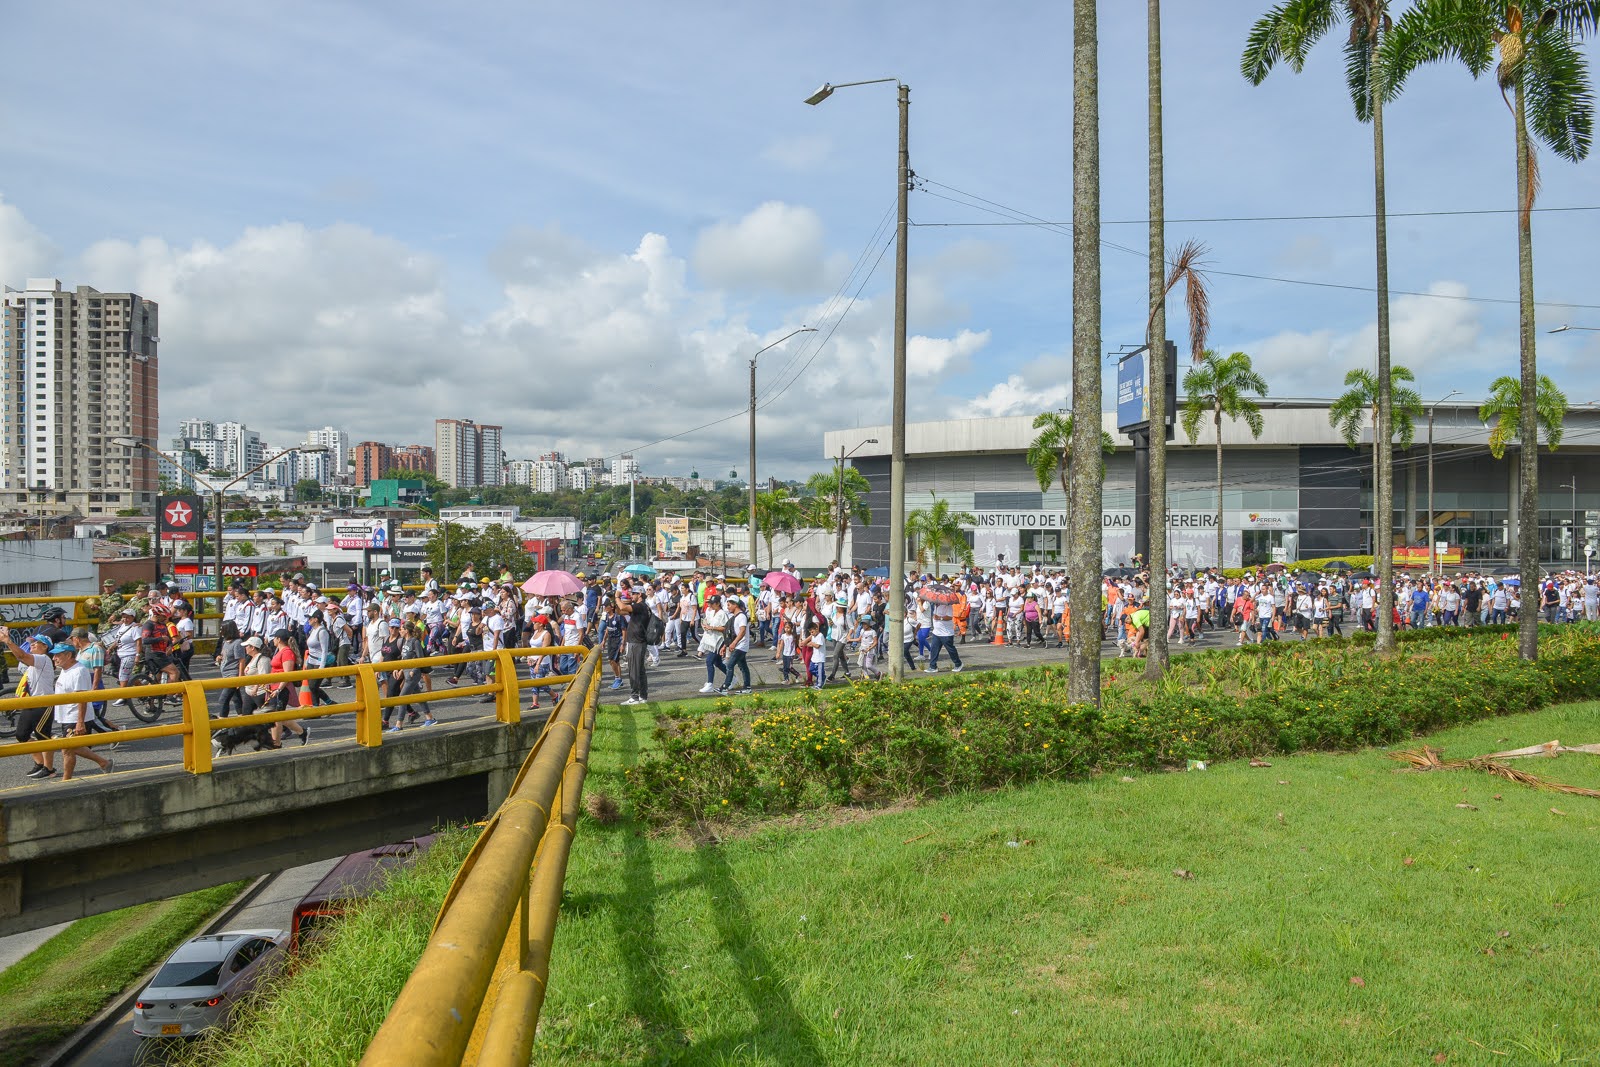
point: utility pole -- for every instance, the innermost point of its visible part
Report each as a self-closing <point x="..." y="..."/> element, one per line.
<point x="1431" y="550"/>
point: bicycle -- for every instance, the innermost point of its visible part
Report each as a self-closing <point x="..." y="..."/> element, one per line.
<point x="149" y="708"/>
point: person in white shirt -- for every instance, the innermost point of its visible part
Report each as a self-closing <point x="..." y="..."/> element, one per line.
<point x="738" y="646"/>
<point x="1266" y="606"/>
<point x="71" y="717"/>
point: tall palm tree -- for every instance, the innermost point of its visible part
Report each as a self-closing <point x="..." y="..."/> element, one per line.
<point x="1050" y="453"/>
<point x="776" y="512"/>
<point x="838" y="502"/>
<point x="1359" y="402"/>
<point x="1085" y="533"/>
<point x="1221" y="386"/>
<point x="1504" y="410"/>
<point x="1156" y="656"/>
<point x="1186" y="268"/>
<point x="1287" y="32"/>
<point x="1542" y="69"/>
<point x="937" y="532"/>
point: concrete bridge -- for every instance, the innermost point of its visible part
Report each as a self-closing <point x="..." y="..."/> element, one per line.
<point x="96" y="844"/>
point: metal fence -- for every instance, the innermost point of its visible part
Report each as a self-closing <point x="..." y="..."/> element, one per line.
<point x="476" y="993"/>
<point x="367" y="703"/>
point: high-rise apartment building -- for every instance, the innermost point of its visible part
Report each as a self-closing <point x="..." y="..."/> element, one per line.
<point x="521" y="472"/>
<point x="77" y="369"/>
<point x="337" y="442"/>
<point x="549" y="476"/>
<point x="373" y="460"/>
<point x="467" y="453"/>
<point x="414" y="458"/>
<point x="581" y="478"/>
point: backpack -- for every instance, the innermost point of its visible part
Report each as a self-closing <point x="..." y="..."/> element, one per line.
<point x="655" y="631"/>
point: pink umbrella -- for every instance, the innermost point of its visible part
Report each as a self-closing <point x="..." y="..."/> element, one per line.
<point x="782" y="581"/>
<point x="552" y="583"/>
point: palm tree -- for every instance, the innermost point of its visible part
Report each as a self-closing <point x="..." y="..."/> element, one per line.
<point x="1220" y="386"/>
<point x="1085" y="534"/>
<point x="937" y="529"/>
<point x="1360" y="400"/>
<point x="1156" y="507"/>
<point x="1504" y="410"/>
<point x="1542" y="68"/>
<point x="1287" y="32"/>
<point x="837" y="502"/>
<point x="1185" y="268"/>
<point x="1050" y="454"/>
<point x="776" y="512"/>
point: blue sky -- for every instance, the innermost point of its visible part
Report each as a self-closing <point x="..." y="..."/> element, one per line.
<point x="579" y="222"/>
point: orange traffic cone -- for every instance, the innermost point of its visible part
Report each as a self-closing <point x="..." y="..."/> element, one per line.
<point x="305" y="694"/>
<point x="999" y="630"/>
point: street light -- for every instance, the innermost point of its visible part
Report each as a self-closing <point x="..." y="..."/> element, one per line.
<point x="838" y="499"/>
<point x="1436" y="403"/>
<point x="444" y="532"/>
<point x="1568" y="326"/>
<point x="897" y="455"/>
<point x="752" y="471"/>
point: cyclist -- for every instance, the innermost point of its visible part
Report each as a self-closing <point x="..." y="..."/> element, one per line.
<point x="154" y="648"/>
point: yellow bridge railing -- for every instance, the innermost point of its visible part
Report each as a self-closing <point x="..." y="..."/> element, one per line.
<point x="476" y="993"/>
<point x="196" y="723"/>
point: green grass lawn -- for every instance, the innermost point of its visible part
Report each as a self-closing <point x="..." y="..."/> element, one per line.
<point x="67" y="980"/>
<point x="925" y="936"/>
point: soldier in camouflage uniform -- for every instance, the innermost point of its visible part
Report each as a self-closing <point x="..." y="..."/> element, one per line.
<point x="139" y="603"/>
<point x="110" y="602"/>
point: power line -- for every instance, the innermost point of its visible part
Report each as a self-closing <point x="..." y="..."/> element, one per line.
<point x="1259" y="218"/>
<point x="1019" y="217"/>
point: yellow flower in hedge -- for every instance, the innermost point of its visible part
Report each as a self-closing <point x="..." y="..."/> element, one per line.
<point x="724" y="800"/>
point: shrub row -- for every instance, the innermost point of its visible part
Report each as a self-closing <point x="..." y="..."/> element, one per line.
<point x="879" y="741"/>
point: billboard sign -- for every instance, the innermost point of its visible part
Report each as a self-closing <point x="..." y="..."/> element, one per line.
<point x="180" y="517"/>
<point x="672" y="537"/>
<point x="1133" y="391"/>
<point x="367" y="534"/>
<point x="410" y="543"/>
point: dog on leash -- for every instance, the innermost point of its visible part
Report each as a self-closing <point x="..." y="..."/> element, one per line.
<point x="223" y="742"/>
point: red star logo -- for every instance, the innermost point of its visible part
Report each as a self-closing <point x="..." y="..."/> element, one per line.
<point x="178" y="513"/>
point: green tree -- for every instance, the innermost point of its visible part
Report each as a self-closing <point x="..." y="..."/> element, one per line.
<point x="1357" y="406"/>
<point x="1287" y="33"/>
<point x="1221" y="386"/>
<point x="432" y="481"/>
<point x="1503" y="410"/>
<point x="837" y="503"/>
<point x="776" y="512"/>
<point x="307" y="490"/>
<point x="450" y="547"/>
<point x="937" y="532"/>
<point x="1543" y="78"/>
<point x="1050" y="452"/>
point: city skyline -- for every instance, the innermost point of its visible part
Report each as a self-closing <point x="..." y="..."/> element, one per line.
<point x="591" y="292"/>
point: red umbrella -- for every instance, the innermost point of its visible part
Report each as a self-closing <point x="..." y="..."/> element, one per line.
<point x="938" y="594"/>
<point x="782" y="581"/>
<point x="552" y="583"/>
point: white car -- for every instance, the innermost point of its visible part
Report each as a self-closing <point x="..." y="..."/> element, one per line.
<point x="200" y="984"/>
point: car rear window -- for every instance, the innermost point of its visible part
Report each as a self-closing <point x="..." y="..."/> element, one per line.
<point x="192" y="973"/>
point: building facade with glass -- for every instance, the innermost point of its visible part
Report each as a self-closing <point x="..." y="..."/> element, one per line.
<point x="1296" y="492"/>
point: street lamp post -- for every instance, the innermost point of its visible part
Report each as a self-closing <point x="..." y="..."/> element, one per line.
<point x="895" y="611"/>
<point x="838" y="499"/>
<point x="752" y="470"/>
<point x="1573" y="485"/>
<point x="1436" y="403"/>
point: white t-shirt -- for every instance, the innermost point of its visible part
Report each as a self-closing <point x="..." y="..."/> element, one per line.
<point x="944" y="621"/>
<point x="1264" y="606"/>
<point x="740" y="629"/>
<point x="74" y="679"/>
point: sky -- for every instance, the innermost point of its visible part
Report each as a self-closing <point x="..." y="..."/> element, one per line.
<point x="580" y="221"/>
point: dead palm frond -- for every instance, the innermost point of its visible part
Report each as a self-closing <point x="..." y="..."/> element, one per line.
<point x="1429" y="758"/>
<point x="1188" y="266"/>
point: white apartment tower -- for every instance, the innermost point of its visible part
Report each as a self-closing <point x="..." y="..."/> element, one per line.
<point x="78" y="368"/>
<point x="337" y="442"/>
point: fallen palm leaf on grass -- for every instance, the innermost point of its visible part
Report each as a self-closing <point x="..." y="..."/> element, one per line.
<point x="1429" y="758"/>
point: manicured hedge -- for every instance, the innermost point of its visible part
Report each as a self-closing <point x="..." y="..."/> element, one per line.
<point x="879" y="741"/>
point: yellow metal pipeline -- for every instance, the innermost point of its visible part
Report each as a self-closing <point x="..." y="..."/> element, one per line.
<point x="433" y="1019"/>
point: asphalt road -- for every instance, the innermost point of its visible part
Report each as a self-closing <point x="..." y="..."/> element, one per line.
<point x="118" y="1047"/>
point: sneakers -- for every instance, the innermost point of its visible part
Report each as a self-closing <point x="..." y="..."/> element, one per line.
<point x="636" y="700"/>
<point x="108" y="767"/>
<point x="708" y="688"/>
<point x="955" y="670"/>
<point x="930" y="670"/>
<point x="392" y="729"/>
<point x="44" y="774"/>
<point x="721" y="690"/>
<point x="617" y="684"/>
<point x="744" y="692"/>
<point x="39" y="771"/>
<point x="305" y="735"/>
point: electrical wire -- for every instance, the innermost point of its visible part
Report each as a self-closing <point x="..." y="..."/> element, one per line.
<point x="1020" y="217"/>
<point x="1263" y="218"/>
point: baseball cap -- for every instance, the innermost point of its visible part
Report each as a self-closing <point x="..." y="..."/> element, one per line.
<point x="394" y="624"/>
<point x="253" y="641"/>
<point x="60" y="647"/>
<point x="280" y="635"/>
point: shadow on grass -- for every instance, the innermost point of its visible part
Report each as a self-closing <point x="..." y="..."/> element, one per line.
<point x="781" y="1033"/>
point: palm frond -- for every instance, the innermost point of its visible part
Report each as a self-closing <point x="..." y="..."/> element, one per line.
<point x="1432" y="31"/>
<point x="1559" y="99"/>
<point x="1187" y="266"/>
<point x="1551" y="404"/>
<point x="1286" y="33"/>
<point x="1576" y="17"/>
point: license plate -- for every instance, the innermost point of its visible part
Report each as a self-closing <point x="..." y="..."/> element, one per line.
<point x="171" y="1029"/>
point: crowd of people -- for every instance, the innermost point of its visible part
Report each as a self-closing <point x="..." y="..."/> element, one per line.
<point x="831" y="627"/>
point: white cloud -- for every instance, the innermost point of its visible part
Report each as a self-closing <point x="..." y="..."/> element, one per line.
<point x="928" y="357"/>
<point x="1014" y="396"/>
<point x="24" y="251"/>
<point x="777" y="246"/>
